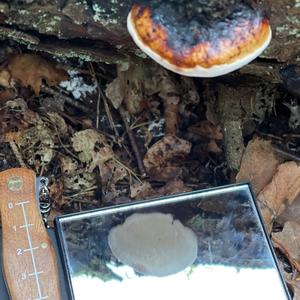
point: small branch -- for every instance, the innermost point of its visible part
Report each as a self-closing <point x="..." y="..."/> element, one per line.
<point x="93" y="74"/>
<point x="134" y="146"/>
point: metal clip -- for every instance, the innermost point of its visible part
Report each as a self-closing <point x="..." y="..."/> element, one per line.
<point x="44" y="199"/>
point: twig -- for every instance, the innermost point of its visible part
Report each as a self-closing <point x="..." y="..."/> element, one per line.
<point x="84" y="192"/>
<point x="17" y="154"/>
<point x="67" y="99"/>
<point x="132" y="140"/>
<point x="93" y="73"/>
<point x="108" y="113"/>
<point x="286" y="154"/>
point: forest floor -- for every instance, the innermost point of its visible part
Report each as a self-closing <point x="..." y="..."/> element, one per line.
<point x="105" y="135"/>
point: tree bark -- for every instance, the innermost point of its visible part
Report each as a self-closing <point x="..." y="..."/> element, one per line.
<point x="95" y="30"/>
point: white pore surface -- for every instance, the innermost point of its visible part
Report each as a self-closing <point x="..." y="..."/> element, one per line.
<point x="153" y="244"/>
<point x="197" y="71"/>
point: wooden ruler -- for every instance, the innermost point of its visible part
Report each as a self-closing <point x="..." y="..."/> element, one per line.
<point x="29" y="261"/>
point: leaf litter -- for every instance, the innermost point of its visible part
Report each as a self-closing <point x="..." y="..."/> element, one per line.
<point x="71" y="127"/>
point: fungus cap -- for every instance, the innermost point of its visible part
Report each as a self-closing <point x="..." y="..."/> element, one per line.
<point x="153" y="244"/>
<point x="199" y="44"/>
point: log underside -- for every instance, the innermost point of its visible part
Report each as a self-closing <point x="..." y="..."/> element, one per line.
<point x="96" y="30"/>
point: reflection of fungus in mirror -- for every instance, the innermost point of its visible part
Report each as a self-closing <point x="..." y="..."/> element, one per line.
<point x="153" y="244"/>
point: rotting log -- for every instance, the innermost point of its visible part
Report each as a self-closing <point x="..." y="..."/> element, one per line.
<point x="96" y="30"/>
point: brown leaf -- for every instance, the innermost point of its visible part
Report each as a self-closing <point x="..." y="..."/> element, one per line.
<point x="173" y="186"/>
<point x="140" y="190"/>
<point x="291" y="213"/>
<point x="115" y="91"/>
<point x="4" y="78"/>
<point x="281" y="191"/>
<point x="31" y="69"/>
<point x="295" y="286"/>
<point x="259" y="164"/>
<point x="289" y="242"/>
<point x="163" y="160"/>
<point x="207" y="129"/>
<point x="95" y="151"/>
<point x="93" y="148"/>
<point x="171" y="118"/>
<point x="112" y="172"/>
<point x="59" y="124"/>
<point x="145" y="191"/>
<point x="213" y="147"/>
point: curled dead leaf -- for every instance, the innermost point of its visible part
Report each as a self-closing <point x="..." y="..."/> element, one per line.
<point x="140" y="190"/>
<point x="163" y="160"/>
<point x="95" y="151"/>
<point x="288" y="241"/>
<point x="259" y="164"/>
<point x="30" y="70"/>
<point x="280" y="192"/>
<point x="36" y="145"/>
<point x="93" y="148"/>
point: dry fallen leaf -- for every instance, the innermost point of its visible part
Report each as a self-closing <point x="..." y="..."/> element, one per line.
<point x="207" y="129"/>
<point x="291" y="213"/>
<point x="288" y="241"/>
<point x="112" y="172"/>
<point x="140" y="190"/>
<point x="95" y="151"/>
<point x="93" y="148"/>
<point x="144" y="190"/>
<point x="30" y="70"/>
<point x="36" y="145"/>
<point x="173" y="186"/>
<point x="259" y="164"/>
<point x="58" y="123"/>
<point x="280" y="192"/>
<point x="4" y="78"/>
<point x="295" y="286"/>
<point x="162" y="161"/>
<point x="115" y="92"/>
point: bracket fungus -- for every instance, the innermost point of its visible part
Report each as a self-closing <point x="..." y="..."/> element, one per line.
<point x="153" y="244"/>
<point x="200" y="38"/>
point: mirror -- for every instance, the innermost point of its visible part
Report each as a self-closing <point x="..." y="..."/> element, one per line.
<point x="208" y="244"/>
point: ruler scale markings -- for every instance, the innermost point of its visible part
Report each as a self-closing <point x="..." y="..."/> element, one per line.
<point x="26" y="225"/>
<point x="35" y="272"/>
<point x="30" y="249"/>
<point x="27" y="247"/>
<point x="22" y="203"/>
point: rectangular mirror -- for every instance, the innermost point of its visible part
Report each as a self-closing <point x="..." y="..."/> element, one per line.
<point x="209" y="244"/>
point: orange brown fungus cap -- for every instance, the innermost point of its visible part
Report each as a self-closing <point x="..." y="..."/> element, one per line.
<point x="203" y="42"/>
